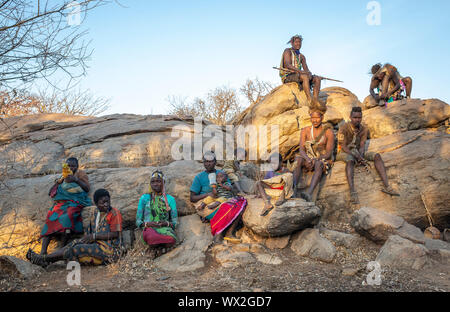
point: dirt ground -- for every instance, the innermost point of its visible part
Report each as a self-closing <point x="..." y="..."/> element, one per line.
<point x="347" y="273"/>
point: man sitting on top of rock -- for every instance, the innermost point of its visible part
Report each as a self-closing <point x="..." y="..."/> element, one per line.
<point x="298" y="72"/>
<point x="389" y="83"/>
<point x="352" y="137"/>
<point x="277" y="184"/>
<point x="316" y="149"/>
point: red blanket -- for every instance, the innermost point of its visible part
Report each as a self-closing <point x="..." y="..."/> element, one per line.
<point x="226" y="214"/>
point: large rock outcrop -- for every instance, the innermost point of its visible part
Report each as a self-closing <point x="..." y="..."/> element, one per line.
<point x="195" y="238"/>
<point x="417" y="162"/>
<point x="410" y="135"/>
<point x="287" y="107"/>
<point x="118" y="152"/>
<point x="38" y="144"/>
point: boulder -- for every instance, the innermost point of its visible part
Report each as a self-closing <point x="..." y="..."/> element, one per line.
<point x="402" y="253"/>
<point x="247" y="185"/>
<point x="436" y="244"/>
<point x="38" y="144"/>
<point x="369" y="102"/>
<point x="309" y="243"/>
<point x="15" y="267"/>
<point x="417" y="162"/>
<point x="126" y="186"/>
<point x="340" y="238"/>
<point x="190" y="255"/>
<point x="231" y="255"/>
<point x="293" y="215"/>
<point x="405" y="115"/>
<point x="279" y="242"/>
<point x="286" y="107"/>
<point x="378" y="226"/>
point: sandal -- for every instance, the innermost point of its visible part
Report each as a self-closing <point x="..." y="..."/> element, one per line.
<point x="233" y="240"/>
<point x="34" y="258"/>
<point x="390" y="191"/>
<point x="266" y="211"/>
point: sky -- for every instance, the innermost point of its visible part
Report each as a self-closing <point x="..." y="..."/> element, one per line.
<point x="151" y="49"/>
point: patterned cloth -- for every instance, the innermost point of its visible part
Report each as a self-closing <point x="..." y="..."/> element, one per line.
<point x="99" y="252"/>
<point x="223" y="192"/>
<point x="208" y="213"/>
<point x="226" y="214"/>
<point x="152" y="208"/>
<point x="65" y="214"/>
<point x="279" y="183"/>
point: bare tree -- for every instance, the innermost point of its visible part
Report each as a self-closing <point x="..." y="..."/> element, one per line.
<point x="17" y="103"/>
<point x="220" y="107"/>
<point x="255" y="90"/>
<point x="179" y="107"/>
<point x="41" y="38"/>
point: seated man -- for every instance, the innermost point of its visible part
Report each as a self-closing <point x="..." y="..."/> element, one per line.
<point x="389" y="83"/>
<point x="298" y="72"/>
<point x="222" y="192"/>
<point x="157" y="215"/>
<point x="201" y="194"/>
<point x="101" y="245"/>
<point x="70" y="196"/>
<point x="352" y="138"/>
<point x="277" y="184"/>
<point x="316" y="149"/>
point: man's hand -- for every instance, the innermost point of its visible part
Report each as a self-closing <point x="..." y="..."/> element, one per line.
<point x="152" y="224"/>
<point x="309" y="163"/>
<point x="71" y="178"/>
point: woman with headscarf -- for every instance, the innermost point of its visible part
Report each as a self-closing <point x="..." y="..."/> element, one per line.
<point x="157" y="215"/>
<point x="70" y="196"/>
<point x="102" y="243"/>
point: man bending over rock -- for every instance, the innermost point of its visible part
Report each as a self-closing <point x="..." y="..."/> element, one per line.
<point x="295" y="61"/>
<point x="316" y="149"/>
<point x="352" y="137"/>
<point x="277" y="184"/>
<point x="389" y="83"/>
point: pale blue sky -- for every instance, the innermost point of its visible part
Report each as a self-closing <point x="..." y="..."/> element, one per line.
<point x="154" y="49"/>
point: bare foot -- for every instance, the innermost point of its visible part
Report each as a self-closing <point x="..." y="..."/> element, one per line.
<point x="354" y="198"/>
<point x="267" y="208"/>
<point x="280" y="202"/>
<point x="306" y="196"/>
